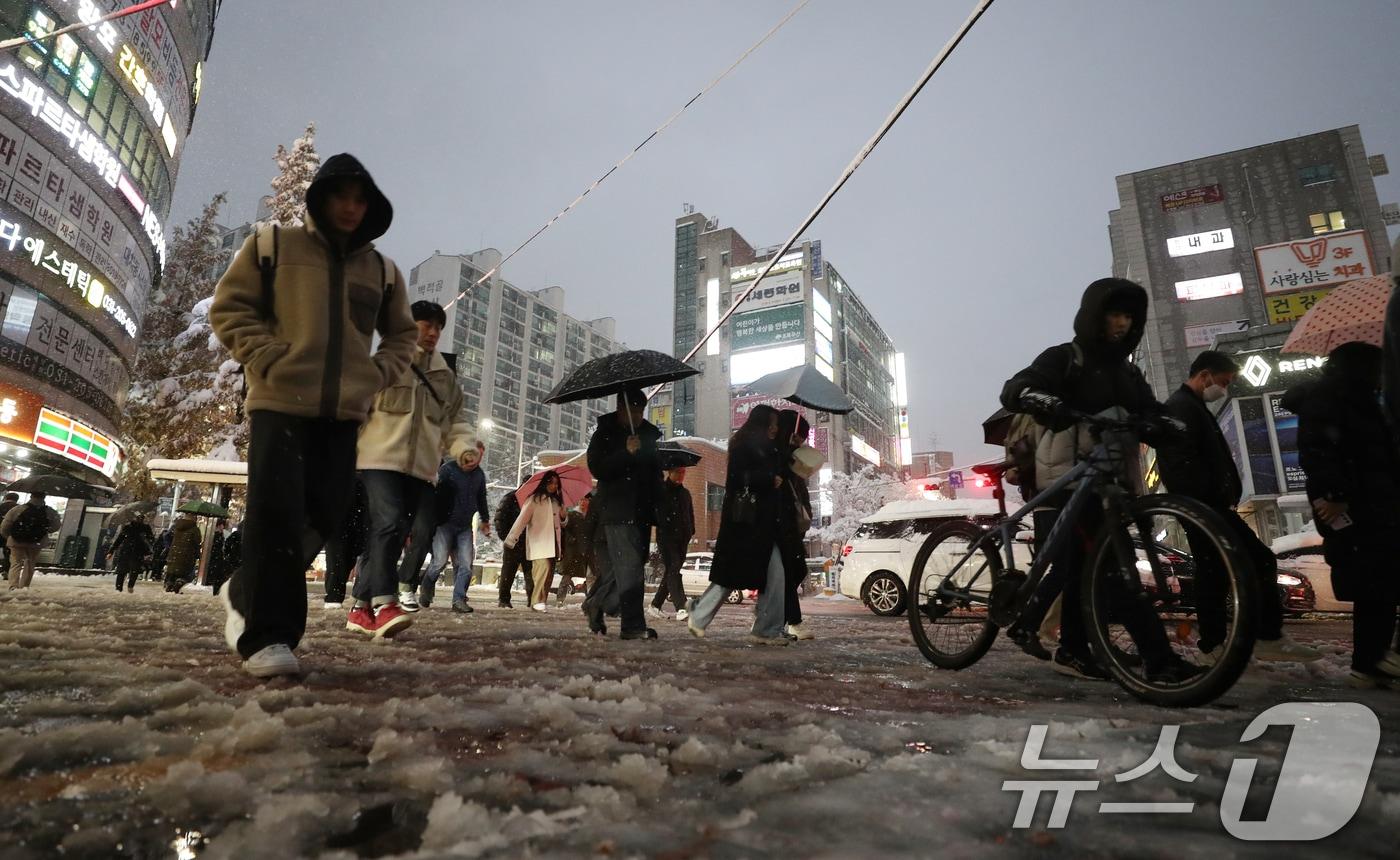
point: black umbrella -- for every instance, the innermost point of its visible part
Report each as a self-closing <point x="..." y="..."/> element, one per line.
<point x="995" y="428"/>
<point x="58" y="486"/>
<point x="805" y="386"/>
<point x="674" y="455"/>
<point x="127" y="512"/>
<point x="613" y="374"/>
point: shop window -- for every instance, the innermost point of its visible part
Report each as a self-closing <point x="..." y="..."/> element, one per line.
<point x="1327" y="222"/>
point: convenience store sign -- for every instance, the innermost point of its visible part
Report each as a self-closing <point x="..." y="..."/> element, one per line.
<point x="76" y="441"/>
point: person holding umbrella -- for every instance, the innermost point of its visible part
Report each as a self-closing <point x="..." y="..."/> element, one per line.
<point x="24" y="528"/>
<point x="180" y="564"/>
<point x="748" y="553"/>
<point x="622" y="456"/>
<point x="541" y="519"/>
<point x="131" y="549"/>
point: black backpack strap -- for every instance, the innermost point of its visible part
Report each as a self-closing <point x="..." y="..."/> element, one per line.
<point x="424" y="377"/>
<point x="386" y="278"/>
<point x="267" y="269"/>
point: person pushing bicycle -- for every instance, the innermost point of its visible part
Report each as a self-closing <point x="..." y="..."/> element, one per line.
<point x="1091" y="374"/>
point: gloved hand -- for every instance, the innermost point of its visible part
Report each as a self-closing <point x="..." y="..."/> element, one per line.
<point x="1049" y="409"/>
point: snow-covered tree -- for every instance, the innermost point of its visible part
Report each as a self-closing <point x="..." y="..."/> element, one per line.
<point x="855" y="496"/>
<point x="295" y="170"/>
<point x="185" y="391"/>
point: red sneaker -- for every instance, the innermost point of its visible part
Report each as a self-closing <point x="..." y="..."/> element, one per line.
<point x="361" y="620"/>
<point x="389" y="620"/>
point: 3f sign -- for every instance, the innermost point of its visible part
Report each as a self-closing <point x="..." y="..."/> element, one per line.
<point x="1323" y="777"/>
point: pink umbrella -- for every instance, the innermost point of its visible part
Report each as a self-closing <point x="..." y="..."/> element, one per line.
<point x="575" y="482"/>
<point x="1353" y="311"/>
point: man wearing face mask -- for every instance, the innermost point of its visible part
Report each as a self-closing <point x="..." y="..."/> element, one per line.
<point x="1198" y="464"/>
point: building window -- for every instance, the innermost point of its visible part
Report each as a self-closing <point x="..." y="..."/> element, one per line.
<point x="724" y="259"/>
<point x="714" y="497"/>
<point x="1327" y="222"/>
<point x="1317" y="174"/>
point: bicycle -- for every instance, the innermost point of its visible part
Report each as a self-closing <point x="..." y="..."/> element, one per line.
<point x="1130" y="570"/>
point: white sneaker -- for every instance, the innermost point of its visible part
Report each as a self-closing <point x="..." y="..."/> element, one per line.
<point x="682" y="615"/>
<point x="540" y="607"/>
<point x="1389" y="664"/>
<point x="408" y="601"/>
<point x="1285" y="650"/>
<point x="234" y="622"/>
<point x="800" y="631"/>
<point x="272" y="661"/>
<point x="653" y="612"/>
<point x="330" y="604"/>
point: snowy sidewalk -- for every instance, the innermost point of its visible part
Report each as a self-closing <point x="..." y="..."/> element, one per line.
<point x="125" y="725"/>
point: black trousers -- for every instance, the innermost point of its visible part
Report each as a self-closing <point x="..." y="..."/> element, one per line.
<point x="129" y="571"/>
<point x="301" y="478"/>
<point x="672" y="557"/>
<point x="512" y="560"/>
<point x="399" y="506"/>
<point x="340" y="561"/>
<point x="1210" y="582"/>
<point x="1368" y="567"/>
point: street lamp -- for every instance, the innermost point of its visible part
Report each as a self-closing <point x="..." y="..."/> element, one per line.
<point x="492" y="426"/>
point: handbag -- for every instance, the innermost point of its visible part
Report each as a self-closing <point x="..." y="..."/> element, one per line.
<point x="804" y="516"/>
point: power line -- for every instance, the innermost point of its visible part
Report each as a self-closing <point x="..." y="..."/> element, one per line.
<point x="20" y="41"/>
<point x="657" y="133"/>
<point x="850" y="170"/>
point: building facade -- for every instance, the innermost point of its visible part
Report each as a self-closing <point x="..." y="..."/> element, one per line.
<point x="92" y="129"/>
<point x="803" y="313"/>
<point x="1234" y="249"/>
<point x="1246" y="238"/>
<point x="512" y="346"/>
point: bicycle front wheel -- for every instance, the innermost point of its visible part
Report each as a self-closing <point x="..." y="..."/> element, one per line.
<point x="952" y="627"/>
<point x="1170" y="603"/>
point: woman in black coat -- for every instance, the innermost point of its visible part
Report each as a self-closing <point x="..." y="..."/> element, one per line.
<point x="747" y="554"/>
<point x="1346" y="448"/>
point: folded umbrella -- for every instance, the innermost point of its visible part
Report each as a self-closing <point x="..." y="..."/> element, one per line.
<point x="805" y="386"/>
<point x="674" y="455"/>
<point x="575" y="482"/>
<point x="58" y="486"/>
<point x="613" y="374"/>
<point x="1354" y="311"/>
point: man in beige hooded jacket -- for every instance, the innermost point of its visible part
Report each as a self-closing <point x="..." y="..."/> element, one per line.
<point x="412" y="424"/>
<point x="304" y="340"/>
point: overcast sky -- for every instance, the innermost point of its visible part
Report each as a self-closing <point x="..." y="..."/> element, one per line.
<point x="970" y="232"/>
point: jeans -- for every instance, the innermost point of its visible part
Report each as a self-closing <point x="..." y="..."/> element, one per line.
<point x="672" y="557"/>
<point x="768" y="620"/>
<point x="621" y="579"/>
<point x="398" y="506"/>
<point x="301" y="478"/>
<point x="459" y="544"/>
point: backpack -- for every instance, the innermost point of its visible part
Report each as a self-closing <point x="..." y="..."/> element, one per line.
<point x="31" y="526"/>
<point x="265" y="242"/>
<point x="1024" y="433"/>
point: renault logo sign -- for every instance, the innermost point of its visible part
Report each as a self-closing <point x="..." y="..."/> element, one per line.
<point x="1257" y="371"/>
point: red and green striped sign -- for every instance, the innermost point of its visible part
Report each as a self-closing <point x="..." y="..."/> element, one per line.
<point x="73" y="440"/>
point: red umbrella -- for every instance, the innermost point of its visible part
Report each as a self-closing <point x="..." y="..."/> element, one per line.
<point x="575" y="482"/>
<point x="1353" y="311"/>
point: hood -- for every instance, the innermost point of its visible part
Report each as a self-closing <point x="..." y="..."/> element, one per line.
<point x="378" y="216"/>
<point x="183" y="525"/>
<point x="1088" y="322"/>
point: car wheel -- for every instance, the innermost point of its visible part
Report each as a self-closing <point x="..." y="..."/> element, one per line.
<point x="735" y="597"/>
<point x="884" y="594"/>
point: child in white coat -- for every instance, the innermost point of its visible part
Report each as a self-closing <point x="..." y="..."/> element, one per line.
<point x="541" y="518"/>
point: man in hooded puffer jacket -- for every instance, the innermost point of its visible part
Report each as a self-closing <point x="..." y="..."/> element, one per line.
<point x="311" y="374"/>
<point x="1090" y="374"/>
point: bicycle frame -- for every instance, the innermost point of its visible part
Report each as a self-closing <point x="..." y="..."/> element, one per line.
<point x="1099" y="465"/>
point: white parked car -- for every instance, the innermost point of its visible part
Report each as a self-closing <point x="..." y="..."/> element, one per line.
<point x="1301" y="554"/>
<point x="875" y="564"/>
<point x="695" y="576"/>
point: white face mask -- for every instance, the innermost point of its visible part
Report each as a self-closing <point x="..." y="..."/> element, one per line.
<point x="1214" y="392"/>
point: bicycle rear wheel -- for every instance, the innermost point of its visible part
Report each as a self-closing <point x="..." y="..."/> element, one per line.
<point x="953" y="632"/>
<point x="1181" y="586"/>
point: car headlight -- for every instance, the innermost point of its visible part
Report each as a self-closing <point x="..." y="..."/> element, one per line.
<point x="1289" y="580"/>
